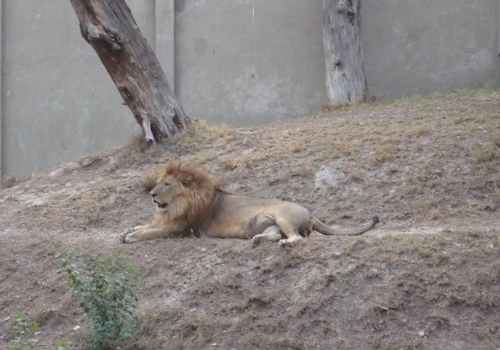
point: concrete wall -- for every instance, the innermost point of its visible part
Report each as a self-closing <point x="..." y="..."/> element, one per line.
<point x="234" y="61"/>
<point x="414" y="47"/>
<point x="249" y="61"/>
<point x="58" y="100"/>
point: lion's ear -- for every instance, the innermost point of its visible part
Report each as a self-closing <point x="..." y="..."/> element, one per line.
<point x="187" y="180"/>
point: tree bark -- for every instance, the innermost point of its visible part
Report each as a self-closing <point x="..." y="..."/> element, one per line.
<point x="345" y="77"/>
<point x="109" y="27"/>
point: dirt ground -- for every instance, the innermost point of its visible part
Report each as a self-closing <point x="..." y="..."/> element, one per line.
<point x="427" y="277"/>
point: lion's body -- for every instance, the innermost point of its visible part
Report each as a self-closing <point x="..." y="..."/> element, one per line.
<point x="190" y="201"/>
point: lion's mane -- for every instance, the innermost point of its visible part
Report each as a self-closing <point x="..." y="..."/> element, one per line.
<point x="197" y="194"/>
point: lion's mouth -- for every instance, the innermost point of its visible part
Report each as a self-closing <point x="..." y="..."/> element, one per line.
<point x="161" y="205"/>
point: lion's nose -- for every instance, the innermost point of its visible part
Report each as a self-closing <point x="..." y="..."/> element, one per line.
<point x="153" y="195"/>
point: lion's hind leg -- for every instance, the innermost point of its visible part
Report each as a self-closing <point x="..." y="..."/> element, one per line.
<point x="272" y="233"/>
<point x="291" y="233"/>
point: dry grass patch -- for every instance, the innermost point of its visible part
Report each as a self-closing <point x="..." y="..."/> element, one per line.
<point x="355" y="174"/>
<point x="204" y="157"/>
<point x="353" y="244"/>
<point x="148" y="180"/>
<point x="419" y="130"/>
<point x="386" y="152"/>
<point x="484" y="153"/>
<point x="148" y="321"/>
<point x="89" y="208"/>
<point x="298" y="145"/>
<point x="137" y="143"/>
<point x="197" y="325"/>
<point x="241" y="161"/>
<point x="199" y="134"/>
<point x="487" y="152"/>
<point x="346" y="148"/>
<point x="11" y="181"/>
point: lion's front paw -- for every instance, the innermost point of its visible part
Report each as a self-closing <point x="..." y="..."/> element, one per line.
<point x="123" y="236"/>
<point x="290" y="241"/>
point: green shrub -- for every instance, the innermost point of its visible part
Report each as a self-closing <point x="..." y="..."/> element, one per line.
<point x="26" y="335"/>
<point x="107" y="289"/>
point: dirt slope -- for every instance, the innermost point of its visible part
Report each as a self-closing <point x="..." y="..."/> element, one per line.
<point x="428" y="277"/>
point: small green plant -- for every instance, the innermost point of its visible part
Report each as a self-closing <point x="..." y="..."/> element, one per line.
<point x="26" y="335"/>
<point x="62" y="344"/>
<point x="108" y="292"/>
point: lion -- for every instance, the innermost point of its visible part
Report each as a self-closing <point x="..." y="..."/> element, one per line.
<point x="190" y="201"/>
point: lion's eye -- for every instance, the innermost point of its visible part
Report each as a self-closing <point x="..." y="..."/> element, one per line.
<point x="166" y="185"/>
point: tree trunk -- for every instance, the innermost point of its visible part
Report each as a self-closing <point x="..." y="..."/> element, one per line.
<point x="345" y="77"/>
<point x="109" y="27"/>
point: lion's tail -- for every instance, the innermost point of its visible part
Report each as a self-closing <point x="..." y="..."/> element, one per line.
<point x="328" y="231"/>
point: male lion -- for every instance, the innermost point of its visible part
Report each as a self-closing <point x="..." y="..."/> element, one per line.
<point x="190" y="201"/>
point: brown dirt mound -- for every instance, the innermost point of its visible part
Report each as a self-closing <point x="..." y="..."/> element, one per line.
<point x="428" y="277"/>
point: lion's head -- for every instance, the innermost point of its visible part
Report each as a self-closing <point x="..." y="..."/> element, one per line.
<point x="184" y="192"/>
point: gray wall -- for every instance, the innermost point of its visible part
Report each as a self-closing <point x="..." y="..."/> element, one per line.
<point x="247" y="62"/>
<point x="239" y="62"/>
<point x="429" y="45"/>
<point x="58" y="101"/>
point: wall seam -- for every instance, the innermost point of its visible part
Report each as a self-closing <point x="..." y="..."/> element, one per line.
<point x="498" y="26"/>
<point x="174" y="41"/>
<point x="1" y="92"/>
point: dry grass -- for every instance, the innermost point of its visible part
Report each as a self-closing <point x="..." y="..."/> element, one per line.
<point x="298" y="145"/>
<point x="238" y="160"/>
<point x="148" y="321"/>
<point x="386" y="153"/>
<point x="354" y="244"/>
<point x="489" y="151"/>
<point x="11" y="181"/>
<point x="148" y="180"/>
<point x="137" y="143"/>
<point x="355" y="174"/>
<point x="199" y="134"/>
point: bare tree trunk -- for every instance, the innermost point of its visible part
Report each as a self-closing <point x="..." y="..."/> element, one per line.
<point x="345" y="77"/>
<point x="109" y="27"/>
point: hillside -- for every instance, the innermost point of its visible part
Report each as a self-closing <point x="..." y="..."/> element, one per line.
<point x="427" y="277"/>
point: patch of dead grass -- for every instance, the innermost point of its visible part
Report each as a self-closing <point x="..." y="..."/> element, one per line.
<point x="485" y="154"/>
<point x="419" y="130"/>
<point x="239" y="161"/>
<point x="137" y="143"/>
<point x="200" y="134"/>
<point x="347" y="148"/>
<point x="11" y="181"/>
<point x="204" y="157"/>
<point x="148" y="180"/>
<point x="355" y="174"/>
<point x="148" y="321"/>
<point x="298" y="145"/>
<point x="386" y="152"/>
<point x="90" y="209"/>
<point x="353" y="244"/>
